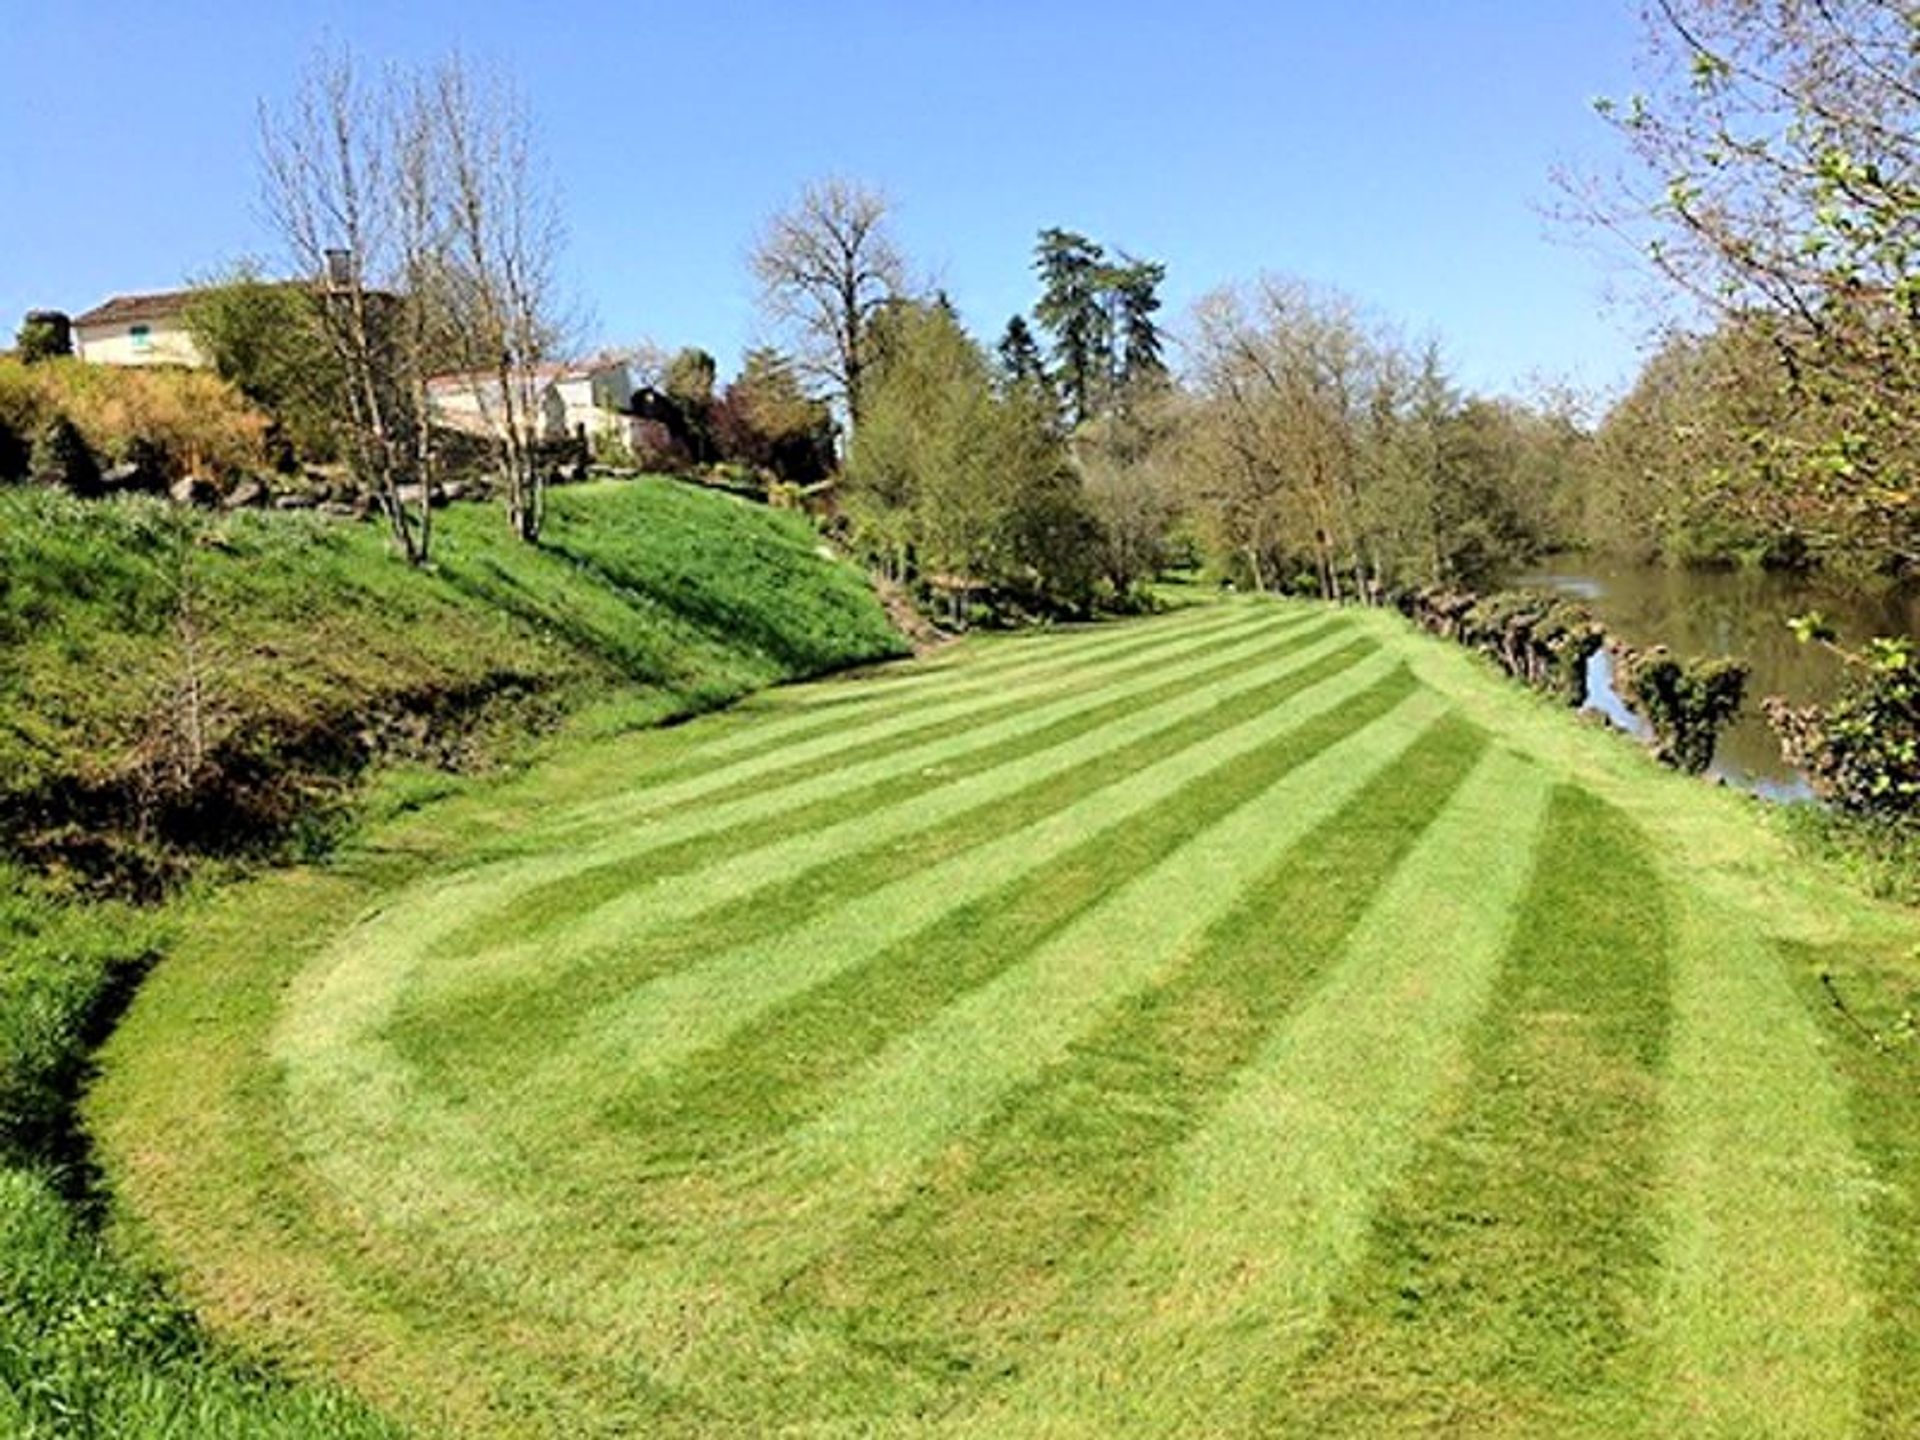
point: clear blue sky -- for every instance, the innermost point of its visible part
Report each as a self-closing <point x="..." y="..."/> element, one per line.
<point x="1398" y="150"/>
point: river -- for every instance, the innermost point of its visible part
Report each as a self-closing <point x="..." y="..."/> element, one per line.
<point x="1742" y="613"/>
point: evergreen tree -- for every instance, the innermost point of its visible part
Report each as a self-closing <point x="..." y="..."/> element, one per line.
<point x="1072" y="309"/>
<point x="1106" y="344"/>
<point x="1136" y="289"/>
<point x="1022" y="361"/>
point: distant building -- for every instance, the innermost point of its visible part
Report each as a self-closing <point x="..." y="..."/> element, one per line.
<point x="590" y="398"/>
<point x="137" y="330"/>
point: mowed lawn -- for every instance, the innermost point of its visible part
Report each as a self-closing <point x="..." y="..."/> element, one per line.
<point x="1255" y="1020"/>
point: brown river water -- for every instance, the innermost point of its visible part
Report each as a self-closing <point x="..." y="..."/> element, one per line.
<point x="1741" y="613"/>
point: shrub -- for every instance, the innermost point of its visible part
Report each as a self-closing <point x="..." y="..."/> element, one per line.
<point x="1540" y="639"/>
<point x="196" y="420"/>
<point x="1687" y="703"/>
<point x="45" y="335"/>
<point x="61" y="458"/>
<point x="1862" y="753"/>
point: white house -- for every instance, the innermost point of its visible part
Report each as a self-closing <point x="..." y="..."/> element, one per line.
<point x="589" y="397"/>
<point x="137" y="330"/>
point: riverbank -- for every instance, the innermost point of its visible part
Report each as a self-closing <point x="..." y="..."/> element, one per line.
<point x="1737" y="613"/>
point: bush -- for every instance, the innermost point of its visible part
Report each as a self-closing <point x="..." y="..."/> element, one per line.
<point x="45" y="335"/>
<point x="61" y="458"/>
<point x="1540" y="639"/>
<point x="197" y="421"/>
<point x="1862" y="753"/>
<point x="1687" y="703"/>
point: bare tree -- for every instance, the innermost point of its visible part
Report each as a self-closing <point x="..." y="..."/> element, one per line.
<point x="417" y="204"/>
<point x="826" y="265"/>
<point x="329" y="165"/>
<point x="1285" y="376"/>
<point x="504" y="241"/>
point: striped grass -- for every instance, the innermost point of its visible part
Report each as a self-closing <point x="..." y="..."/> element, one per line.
<point x="963" y="1270"/>
<point x="1505" y="1278"/>
<point x="1251" y="1021"/>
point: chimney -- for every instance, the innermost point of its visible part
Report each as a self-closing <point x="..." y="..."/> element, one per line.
<point x="339" y="269"/>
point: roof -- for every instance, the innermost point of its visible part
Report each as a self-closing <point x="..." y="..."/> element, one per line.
<point x="162" y="304"/>
<point x="157" y="305"/>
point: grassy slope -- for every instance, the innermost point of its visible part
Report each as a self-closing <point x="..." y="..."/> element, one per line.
<point x="303" y="635"/>
<point x="296" y="630"/>
<point x="1248" y="1021"/>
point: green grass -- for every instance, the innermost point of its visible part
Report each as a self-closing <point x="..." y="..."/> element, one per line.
<point x="312" y="653"/>
<point x="296" y="649"/>
<point x="1247" y="1021"/>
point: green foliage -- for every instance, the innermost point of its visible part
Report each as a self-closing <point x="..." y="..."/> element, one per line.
<point x="689" y="377"/>
<point x="266" y="338"/>
<point x="1862" y="752"/>
<point x="1106" y="343"/>
<point x="62" y="458"/>
<point x="964" y="486"/>
<point x="1686" y="703"/>
<point x="43" y="335"/>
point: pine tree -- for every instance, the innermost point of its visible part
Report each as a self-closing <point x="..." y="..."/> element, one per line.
<point x="1072" y="309"/>
<point x="1020" y="359"/>
<point x="1136" y="287"/>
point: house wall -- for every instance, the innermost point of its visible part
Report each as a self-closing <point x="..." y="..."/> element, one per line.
<point x="166" y="342"/>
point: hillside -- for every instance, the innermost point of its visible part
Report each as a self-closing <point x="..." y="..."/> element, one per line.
<point x="1255" y="1020"/>
<point x="177" y="682"/>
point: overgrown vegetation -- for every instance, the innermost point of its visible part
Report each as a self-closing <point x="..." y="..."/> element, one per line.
<point x="164" y="422"/>
<point x="1542" y="640"/>
<point x="1687" y="702"/>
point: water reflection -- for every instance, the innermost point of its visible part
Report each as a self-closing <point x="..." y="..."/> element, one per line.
<point x="1740" y="613"/>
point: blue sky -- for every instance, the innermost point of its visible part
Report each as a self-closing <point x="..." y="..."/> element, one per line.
<point x="1397" y="150"/>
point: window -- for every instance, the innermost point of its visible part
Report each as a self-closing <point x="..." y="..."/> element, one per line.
<point x="142" y="336"/>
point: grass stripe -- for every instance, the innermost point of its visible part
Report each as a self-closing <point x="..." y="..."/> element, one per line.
<point x="879" y="804"/>
<point x="1182" y="1330"/>
<point x="1765" y="1301"/>
<point x="595" y="948"/>
<point x="824" y="756"/>
<point x="366" y="1113"/>
<point x="659" y="1024"/>
<point x="775" y="1072"/>
<point x="794" y="714"/>
<point x="1863" y="999"/>
<point x="765" y="1220"/>
<point x="487" y="889"/>
<point x="1506" y="1282"/>
<point x="955" y="1280"/>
